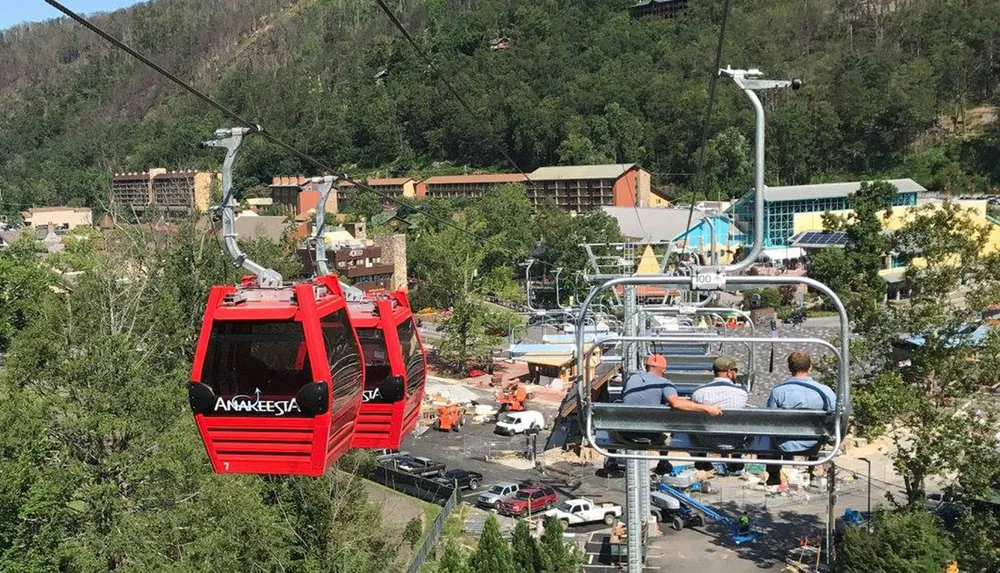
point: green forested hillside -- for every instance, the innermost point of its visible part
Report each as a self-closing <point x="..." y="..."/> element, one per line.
<point x="886" y="84"/>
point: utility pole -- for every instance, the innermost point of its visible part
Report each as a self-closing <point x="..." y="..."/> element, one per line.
<point x="869" y="462"/>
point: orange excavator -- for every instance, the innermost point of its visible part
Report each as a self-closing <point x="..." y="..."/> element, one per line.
<point x="450" y="418"/>
<point x="511" y="398"/>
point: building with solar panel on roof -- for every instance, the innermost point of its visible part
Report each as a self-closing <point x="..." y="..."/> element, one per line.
<point x="781" y="204"/>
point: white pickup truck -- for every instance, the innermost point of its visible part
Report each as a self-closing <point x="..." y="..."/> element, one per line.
<point x="580" y="511"/>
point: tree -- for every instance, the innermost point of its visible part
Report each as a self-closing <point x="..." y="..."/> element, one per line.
<point x="527" y="555"/>
<point x="101" y="469"/>
<point x="559" y="556"/>
<point x="492" y="555"/>
<point x="899" y="542"/>
<point x="727" y="165"/>
<point x="453" y="560"/>
<point x="363" y="205"/>
<point x="465" y="334"/>
<point x="23" y="282"/>
<point x="924" y="406"/>
<point x="854" y="273"/>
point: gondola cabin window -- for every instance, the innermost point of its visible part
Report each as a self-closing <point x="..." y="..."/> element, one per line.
<point x="413" y="358"/>
<point x="342" y="354"/>
<point x="256" y="368"/>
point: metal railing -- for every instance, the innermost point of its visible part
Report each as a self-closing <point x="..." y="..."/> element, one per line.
<point x="430" y="540"/>
<point x="411" y="485"/>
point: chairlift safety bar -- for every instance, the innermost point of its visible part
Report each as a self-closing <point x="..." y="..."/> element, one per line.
<point x="841" y="411"/>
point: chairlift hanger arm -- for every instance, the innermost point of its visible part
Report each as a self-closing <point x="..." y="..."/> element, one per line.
<point x="231" y="139"/>
<point x="325" y="185"/>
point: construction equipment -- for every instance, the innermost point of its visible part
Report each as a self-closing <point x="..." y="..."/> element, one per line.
<point x="450" y="418"/>
<point x="740" y="532"/>
<point x="511" y="398"/>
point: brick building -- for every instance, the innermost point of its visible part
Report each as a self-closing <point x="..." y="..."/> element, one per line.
<point x="473" y="186"/>
<point x="182" y="192"/>
<point x="583" y="188"/>
<point x="288" y="194"/>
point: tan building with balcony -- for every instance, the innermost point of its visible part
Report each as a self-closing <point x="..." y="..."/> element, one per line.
<point x="58" y="218"/>
<point x="182" y="192"/>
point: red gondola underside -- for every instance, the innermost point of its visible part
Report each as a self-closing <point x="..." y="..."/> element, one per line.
<point x="277" y="380"/>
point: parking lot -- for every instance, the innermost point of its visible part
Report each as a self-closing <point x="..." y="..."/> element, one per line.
<point x="782" y="521"/>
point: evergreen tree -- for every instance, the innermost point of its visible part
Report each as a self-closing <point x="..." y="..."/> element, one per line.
<point x="453" y="560"/>
<point x="527" y="554"/>
<point x="493" y="555"/>
<point x="560" y="557"/>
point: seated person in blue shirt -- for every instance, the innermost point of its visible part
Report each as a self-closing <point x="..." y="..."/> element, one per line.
<point x="650" y="388"/>
<point x="799" y="392"/>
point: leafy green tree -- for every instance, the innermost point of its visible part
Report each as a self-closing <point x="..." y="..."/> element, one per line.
<point x="23" y="282"/>
<point x="466" y="335"/>
<point x="898" y="542"/>
<point x="362" y="205"/>
<point x="728" y="169"/>
<point x="493" y="554"/>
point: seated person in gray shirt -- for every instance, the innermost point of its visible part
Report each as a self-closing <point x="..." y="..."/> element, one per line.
<point x="650" y="388"/>
<point x="725" y="393"/>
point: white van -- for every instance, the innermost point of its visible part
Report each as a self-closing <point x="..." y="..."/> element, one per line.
<point x="511" y="423"/>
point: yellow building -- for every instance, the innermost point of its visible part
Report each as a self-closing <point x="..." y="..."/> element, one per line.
<point x="900" y="216"/>
<point x="812" y="223"/>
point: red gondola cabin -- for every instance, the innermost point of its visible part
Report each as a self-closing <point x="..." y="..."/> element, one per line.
<point x="277" y="380"/>
<point x="395" y="370"/>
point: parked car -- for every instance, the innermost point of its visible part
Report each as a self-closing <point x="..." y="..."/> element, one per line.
<point x="497" y="493"/>
<point x="528" y="501"/>
<point x="581" y="511"/>
<point x="423" y="467"/>
<point x="389" y="457"/>
<point x="512" y="423"/>
<point x="463" y="479"/>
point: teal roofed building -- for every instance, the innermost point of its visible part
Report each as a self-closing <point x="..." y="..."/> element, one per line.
<point x="782" y="203"/>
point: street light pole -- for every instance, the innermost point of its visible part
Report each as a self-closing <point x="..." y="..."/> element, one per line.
<point x="869" y="462"/>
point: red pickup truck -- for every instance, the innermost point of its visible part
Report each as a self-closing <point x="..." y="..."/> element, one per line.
<point x="528" y="501"/>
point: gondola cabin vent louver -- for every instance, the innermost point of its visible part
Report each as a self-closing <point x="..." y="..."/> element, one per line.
<point x="277" y="380"/>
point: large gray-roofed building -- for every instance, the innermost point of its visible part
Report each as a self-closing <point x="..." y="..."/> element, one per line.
<point x="652" y="224"/>
<point x="831" y="190"/>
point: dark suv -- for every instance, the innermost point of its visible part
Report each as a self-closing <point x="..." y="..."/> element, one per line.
<point x="528" y="501"/>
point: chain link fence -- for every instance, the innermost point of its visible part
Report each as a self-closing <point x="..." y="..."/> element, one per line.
<point x="435" y="531"/>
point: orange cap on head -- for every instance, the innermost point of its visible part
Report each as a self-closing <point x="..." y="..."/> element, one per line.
<point x="656" y="360"/>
